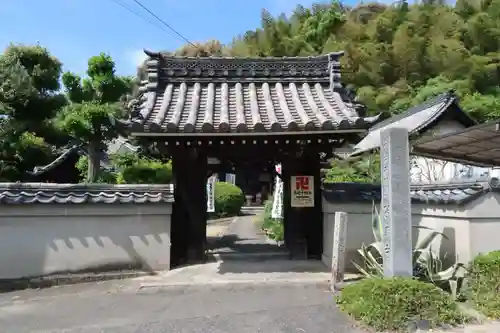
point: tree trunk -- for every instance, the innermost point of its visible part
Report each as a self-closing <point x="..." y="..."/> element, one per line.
<point x="94" y="162"/>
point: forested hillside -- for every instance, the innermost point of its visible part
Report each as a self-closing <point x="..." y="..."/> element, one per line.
<point x="395" y="56"/>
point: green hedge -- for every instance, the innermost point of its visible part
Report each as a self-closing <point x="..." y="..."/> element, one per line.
<point x="484" y="283"/>
<point x="228" y="199"/>
<point x="146" y="172"/>
<point x="131" y="169"/>
<point x="391" y="304"/>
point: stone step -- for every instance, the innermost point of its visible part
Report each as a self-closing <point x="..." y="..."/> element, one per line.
<point x="252" y="209"/>
<point x="254" y="257"/>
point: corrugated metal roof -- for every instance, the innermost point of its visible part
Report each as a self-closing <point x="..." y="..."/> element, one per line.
<point x="43" y="193"/>
<point x="478" y="145"/>
<point x="224" y="95"/>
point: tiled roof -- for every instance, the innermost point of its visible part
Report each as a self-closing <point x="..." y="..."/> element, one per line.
<point x="416" y="119"/>
<point x="43" y="193"/>
<point x="453" y="193"/>
<point x="224" y="95"/>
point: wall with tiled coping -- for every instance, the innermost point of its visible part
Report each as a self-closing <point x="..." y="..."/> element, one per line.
<point x="467" y="213"/>
<point x="59" y="228"/>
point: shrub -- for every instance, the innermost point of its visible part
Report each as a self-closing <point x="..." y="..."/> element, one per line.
<point x="391" y="304"/>
<point x="358" y="170"/>
<point x="228" y="199"/>
<point x="427" y="266"/>
<point x="274" y="228"/>
<point x="146" y="172"/>
<point x="131" y="169"/>
<point x="484" y="283"/>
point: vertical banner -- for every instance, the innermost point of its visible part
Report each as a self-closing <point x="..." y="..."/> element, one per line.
<point x="277" y="211"/>
<point x="231" y="178"/>
<point x="302" y="191"/>
<point x="211" y="194"/>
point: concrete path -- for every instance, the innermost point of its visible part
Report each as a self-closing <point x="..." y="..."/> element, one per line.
<point x="242" y="240"/>
<point x="217" y="228"/>
<point x="242" y="272"/>
<point x="125" y="307"/>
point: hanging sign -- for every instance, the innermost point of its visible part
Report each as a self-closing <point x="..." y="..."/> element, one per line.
<point x="231" y="178"/>
<point x="277" y="211"/>
<point x="211" y="194"/>
<point x="302" y="191"/>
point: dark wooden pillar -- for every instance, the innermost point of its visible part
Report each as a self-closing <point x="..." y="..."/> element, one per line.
<point x="314" y="216"/>
<point x="303" y="225"/>
<point x="290" y="221"/>
<point x="189" y="219"/>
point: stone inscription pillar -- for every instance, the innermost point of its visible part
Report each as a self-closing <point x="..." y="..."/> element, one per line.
<point x="338" y="248"/>
<point x="396" y="206"/>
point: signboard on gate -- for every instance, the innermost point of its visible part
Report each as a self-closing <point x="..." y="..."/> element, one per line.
<point x="211" y="194"/>
<point x="302" y="191"/>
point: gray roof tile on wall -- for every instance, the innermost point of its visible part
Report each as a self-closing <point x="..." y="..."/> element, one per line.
<point x="451" y="193"/>
<point x="224" y="95"/>
<point x="43" y="193"/>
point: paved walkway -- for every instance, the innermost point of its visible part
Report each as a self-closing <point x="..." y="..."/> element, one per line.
<point x="242" y="271"/>
<point x="242" y="239"/>
<point x="242" y="254"/>
<point x="125" y="307"/>
<point x="493" y="327"/>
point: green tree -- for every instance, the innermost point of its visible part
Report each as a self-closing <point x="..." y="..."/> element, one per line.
<point x="94" y="102"/>
<point x="29" y="99"/>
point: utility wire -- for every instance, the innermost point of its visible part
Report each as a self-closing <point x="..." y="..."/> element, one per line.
<point x="162" y="27"/>
<point x="119" y="3"/>
<point x="164" y="23"/>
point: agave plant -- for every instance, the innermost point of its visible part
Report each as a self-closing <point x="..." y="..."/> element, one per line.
<point x="427" y="266"/>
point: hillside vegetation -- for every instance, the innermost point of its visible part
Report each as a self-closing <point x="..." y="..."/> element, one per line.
<point x="395" y="55"/>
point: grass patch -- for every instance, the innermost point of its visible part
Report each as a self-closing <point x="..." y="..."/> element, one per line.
<point x="273" y="228"/>
<point x="484" y="284"/>
<point x="391" y="304"/>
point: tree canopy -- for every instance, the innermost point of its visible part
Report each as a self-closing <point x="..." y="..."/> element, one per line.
<point x="396" y="56"/>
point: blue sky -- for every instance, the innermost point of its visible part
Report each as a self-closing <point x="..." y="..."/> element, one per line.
<point x="74" y="30"/>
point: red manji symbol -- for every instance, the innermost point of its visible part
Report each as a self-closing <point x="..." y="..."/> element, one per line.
<point x="302" y="183"/>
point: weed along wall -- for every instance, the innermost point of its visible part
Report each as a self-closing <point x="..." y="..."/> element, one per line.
<point x="466" y="213"/>
<point x="58" y="228"/>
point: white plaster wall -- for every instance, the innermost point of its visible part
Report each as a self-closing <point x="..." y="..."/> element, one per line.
<point x="44" y="239"/>
<point x="469" y="229"/>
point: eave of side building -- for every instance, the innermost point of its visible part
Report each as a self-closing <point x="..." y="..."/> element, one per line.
<point x="441" y="113"/>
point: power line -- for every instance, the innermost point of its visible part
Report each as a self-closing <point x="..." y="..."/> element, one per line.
<point x="119" y="3"/>
<point x="164" y="23"/>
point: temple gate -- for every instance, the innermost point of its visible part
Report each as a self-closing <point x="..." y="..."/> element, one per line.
<point x="248" y="113"/>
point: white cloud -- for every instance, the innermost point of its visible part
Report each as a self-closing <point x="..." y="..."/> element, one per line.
<point x="137" y="57"/>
